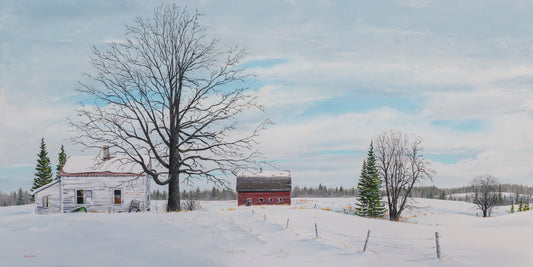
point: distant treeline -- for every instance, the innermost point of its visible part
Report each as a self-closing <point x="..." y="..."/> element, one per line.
<point x="508" y="193"/>
<point x="197" y="194"/>
<point x="18" y="197"/>
<point x="323" y="191"/>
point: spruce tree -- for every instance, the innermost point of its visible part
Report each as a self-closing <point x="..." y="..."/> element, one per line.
<point x="43" y="169"/>
<point x="61" y="159"/>
<point x="20" y="198"/>
<point x="512" y="208"/>
<point x="369" y="187"/>
<point x="521" y="206"/>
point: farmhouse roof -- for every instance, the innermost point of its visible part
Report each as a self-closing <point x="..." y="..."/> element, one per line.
<point x="96" y="166"/>
<point x="277" y="181"/>
<point x="44" y="187"/>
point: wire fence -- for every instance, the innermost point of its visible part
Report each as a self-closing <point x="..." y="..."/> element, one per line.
<point x="365" y="239"/>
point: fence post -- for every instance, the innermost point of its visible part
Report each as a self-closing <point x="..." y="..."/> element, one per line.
<point x="316" y="231"/>
<point x="438" y="244"/>
<point x="264" y="217"/>
<point x="366" y="241"/>
<point x="287" y="226"/>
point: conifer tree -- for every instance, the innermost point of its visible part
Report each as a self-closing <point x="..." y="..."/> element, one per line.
<point x="521" y="206"/>
<point x="43" y="169"/>
<point x="20" y="198"/>
<point x="512" y="208"/>
<point x="369" y="187"/>
<point x="61" y="159"/>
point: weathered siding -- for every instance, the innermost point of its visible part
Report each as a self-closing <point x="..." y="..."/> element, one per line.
<point x="102" y="200"/>
<point x="54" y="199"/>
<point x="254" y="196"/>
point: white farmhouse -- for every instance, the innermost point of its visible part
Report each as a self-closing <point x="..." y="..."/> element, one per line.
<point x="99" y="184"/>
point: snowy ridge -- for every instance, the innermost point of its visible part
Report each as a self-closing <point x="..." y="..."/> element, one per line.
<point x="222" y="234"/>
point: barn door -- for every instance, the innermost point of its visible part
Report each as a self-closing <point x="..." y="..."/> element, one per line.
<point x="248" y="202"/>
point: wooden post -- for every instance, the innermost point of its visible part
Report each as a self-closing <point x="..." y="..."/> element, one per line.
<point x="264" y="217"/>
<point x="438" y="244"/>
<point x="366" y="241"/>
<point x="316" y="231"/>
<point x="287" y="226"/>
<point x="314" y="206"/>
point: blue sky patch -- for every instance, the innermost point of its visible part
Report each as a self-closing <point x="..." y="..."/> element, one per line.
<point x="451" y="158"/>
<point x="13" y="178"/>
<point x="356" y="103"/>
<point x="470" y="125"/>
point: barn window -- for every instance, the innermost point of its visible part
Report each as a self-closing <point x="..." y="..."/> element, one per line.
<point x="84" y="196"/>
<point x="280" y="199"/>
<point x="117" y="199"/>
<point x="260" y="199"/>
<point x="46" y="203"/>
<point x="270" y="200"/>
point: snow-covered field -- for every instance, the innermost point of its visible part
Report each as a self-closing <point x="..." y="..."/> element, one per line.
<point x="222" y="234"/>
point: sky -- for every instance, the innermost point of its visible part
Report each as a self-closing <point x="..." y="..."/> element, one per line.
<point x="332" y="75"/>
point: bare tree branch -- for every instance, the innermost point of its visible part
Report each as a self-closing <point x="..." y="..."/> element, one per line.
<point x="485" y="193"/>
<point x="401" y="165"/>
<point x="168" y="99"/>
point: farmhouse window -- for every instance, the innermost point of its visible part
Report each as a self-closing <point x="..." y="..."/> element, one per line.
<point x="117" y="199"/>
<point x="83" y="196"/>
<point x="46" y="203"/>
<point x="88" y="196"/>
<point x="280" y="199"/>
<point x="260" y="199"/>
<point x="270" y="200"/>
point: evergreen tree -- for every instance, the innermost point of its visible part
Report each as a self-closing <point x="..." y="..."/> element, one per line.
<point x="369" y="187"/>
<point x="20" y="198"/>
<point x="499" y="201"/>
<point x="512" y="208"/>
<point x="61" y="159"/>
<point x="521" y="206"/>
<point x="43" y="175"/>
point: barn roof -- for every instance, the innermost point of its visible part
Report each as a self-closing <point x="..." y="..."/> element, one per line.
<point x="96" y="166"/>
<point x="278" y="181"/>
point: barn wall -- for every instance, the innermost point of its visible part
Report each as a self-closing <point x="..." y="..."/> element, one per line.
<point x="285" y="196"/>
<point x="54" y="199"/>
<point x="133" y="188"/>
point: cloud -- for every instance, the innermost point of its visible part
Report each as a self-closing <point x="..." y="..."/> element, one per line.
<point x="331" y="75"/>
<point x="415" y="3"/>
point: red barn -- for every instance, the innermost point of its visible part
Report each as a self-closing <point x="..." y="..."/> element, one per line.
<point x="264" y="188"/>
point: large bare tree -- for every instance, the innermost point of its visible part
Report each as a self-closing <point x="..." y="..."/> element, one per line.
<point x="401" y="165"/>
<point x="168" y="98"/>
<point x="486" y="196"/>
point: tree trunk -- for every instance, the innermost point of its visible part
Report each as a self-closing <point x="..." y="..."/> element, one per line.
<point x="174" y="194"/>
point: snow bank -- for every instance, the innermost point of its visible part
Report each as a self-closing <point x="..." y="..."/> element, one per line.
<point x="222" y="234"/>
